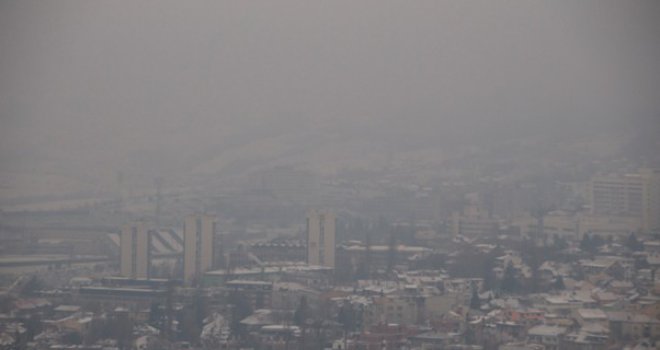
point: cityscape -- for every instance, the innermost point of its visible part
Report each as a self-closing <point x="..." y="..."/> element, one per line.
<point x="460" y="175"/>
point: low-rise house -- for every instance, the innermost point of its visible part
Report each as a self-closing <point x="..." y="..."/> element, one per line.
<point x="22" y="307"/>
<point x="385" y="336"/>
<point x="12" y="335"/>
<point x="612" y="266"/>
<point x="549" y="336"/>
<point x="585" y="316"/>
<point x="652" y="246"/>
<point x="258" y="319"/>
<point x="80" y="323"/>
<point x="620" y="287"/>
<point x="510" y="330"/>
<point x="258" y="293"/>
<point x="584" y="340"/>
<point x="628" y="325"/>
<point x="278" y="336"/>
<point x="434" y="340"/>
<point x="525" y="316"/>
<point x="62" y="311"/>
<point x="568" y="301"/>
<point x="521" y="346"/>
<point x="287" y="295"/>
<point x="394" y="309"/>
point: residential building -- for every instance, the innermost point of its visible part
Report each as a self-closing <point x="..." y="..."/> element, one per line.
<point x="575" y="226"/>
<point x="549" y="336"/>
<point x="279" y="250"/>
<point x="135" y="253"/>
<point x="321" y="238"/>
<point x="627" y="325"/>
<point x="258" y="293"/>
<point x="474" y="221"/>
<point x="198" y="246"/>
<point x="396" y="309"/>
<point x="635" y="195"/>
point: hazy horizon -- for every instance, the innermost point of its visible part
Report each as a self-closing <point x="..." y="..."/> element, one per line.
<point x="171" y="88"/>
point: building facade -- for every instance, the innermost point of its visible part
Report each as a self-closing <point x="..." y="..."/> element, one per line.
<point x="651" y="199"/>
<point x="135" y="252"/>
<point x="633" y="195"/>
<point x="321" y="238"/>
<point x="198" y="246"/>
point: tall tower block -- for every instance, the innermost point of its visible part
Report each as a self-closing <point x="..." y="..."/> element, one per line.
<point x="135" y="252"/>
<point x="321" y="238"/>
<point x="634" y="195"/>
<point x="198" y="246"/>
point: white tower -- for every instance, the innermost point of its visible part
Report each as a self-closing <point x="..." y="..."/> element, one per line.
<point x="321" y="238"/>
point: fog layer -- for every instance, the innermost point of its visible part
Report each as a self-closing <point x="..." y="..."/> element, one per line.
<point x="155" y="88"/>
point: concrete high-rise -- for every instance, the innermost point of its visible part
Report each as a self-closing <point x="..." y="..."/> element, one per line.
<point x="633" y="195"/>
<point x="321" y="238"/>
<point x="198" y="246"/>
<point x="135" y="252"/>
<point x="651" y="199"/>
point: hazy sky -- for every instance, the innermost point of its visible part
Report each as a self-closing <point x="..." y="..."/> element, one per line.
<point x="95" y="84"/>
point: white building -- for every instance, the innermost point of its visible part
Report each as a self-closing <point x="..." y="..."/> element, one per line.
<point x="321" y="238"/>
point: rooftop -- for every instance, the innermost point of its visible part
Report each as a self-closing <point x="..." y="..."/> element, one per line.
<point x="592" y="314"/>
<point x="546" y="331"/>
